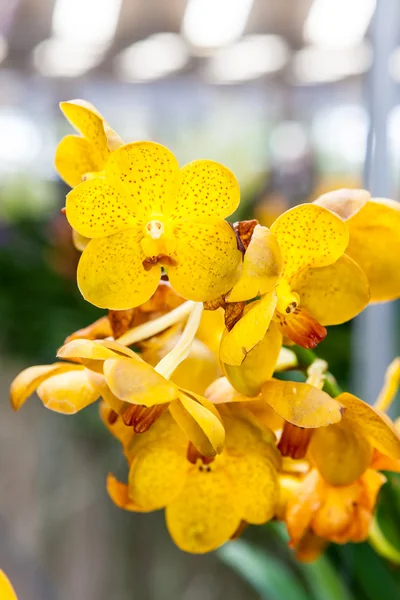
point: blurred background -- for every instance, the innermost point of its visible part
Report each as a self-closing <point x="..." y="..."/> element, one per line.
<point x="297" y="97"/>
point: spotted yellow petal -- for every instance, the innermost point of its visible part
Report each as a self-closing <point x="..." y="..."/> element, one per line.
<point x="87" y="121"/>
<point x="375" y="246"/>
<point x="255" y="485"/>
<point x="207" y="189"/>
<point x="96" y="209"/>
<point x="7" y="591"/>
<point x="157" y="475"/>
<point x="261" y="269"/>
<point x="74" y="158"/>
<point x="29" y="379"/>
<point x="301" y="404"/>
<point x="111" y="274"/>
<point x="201" y="424"/>
<point x="206" y="258"/>
<point x="134" y="381"/>
<point x="147" y="173"/>
<point x="333" y="294"/>
<point x="119" y="494"/>
<point x="203" y="517"/>
<point x="67" y="393"/>
<point x="377" y="427"/>
<point x="258" y="366"/>
<point x="344" y="202"/>
<point x="309" y="236"/>
<point x="248" y="331"/>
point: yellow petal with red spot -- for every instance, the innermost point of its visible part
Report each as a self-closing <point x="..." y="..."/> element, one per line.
<point x="309" y="236"/>
<point x="258" y="366"/>
<point x="261" y="269"/>
<point x="68" y="393"/>
<point x="119" y="494"/>
<point x="87" y="121"/>
<point x="377" y="427"/>
<point x="96" y="209"/>
<point x="344" y="202"/>
<point x="255" y="486"/>
<point x="111" y="273"/>
<point x="157" y="475"/>
<point x="147" y="173"/>
<point x="203" y="517"/>
<point x="200" y="424"/>
<point x="301" y="404"/>
<point x="207" y="189"/>
<point x="206" y="257"/>
<point x="7" y="591"/>
<point x="333" y="294"/>
<point x="248" y="331"/>
<point x="74" y="158"/>
<point x="28" y="380"/>
<point x="134" y="381"/>
<point x="375" y="246"/>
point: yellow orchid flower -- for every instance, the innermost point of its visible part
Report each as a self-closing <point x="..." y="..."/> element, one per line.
<point x="374" y="244"/>
<point x="339" y="514"/>
<point x="7" y="591"/>
<point x="78" y="156"/>
<point x="146" y="212"/>
<point x="205" y="501"/>
<point x="305" y="280"/>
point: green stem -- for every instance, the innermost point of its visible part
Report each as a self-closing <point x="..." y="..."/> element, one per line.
<point x="306" y="358"/>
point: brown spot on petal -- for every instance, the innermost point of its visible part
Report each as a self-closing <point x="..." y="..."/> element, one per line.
<point x="112" y="417"/>
<point x="294" y="441"/>
<point x="301" y="328"/>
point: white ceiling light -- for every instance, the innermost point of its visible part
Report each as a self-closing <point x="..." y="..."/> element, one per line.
<point x="86" y="21"/>
<point x="154" y="57"/>
<point x="82" y="32"/>
<point x="211" y="24"/>
<point x="338" y="24"/>
<point x="59" y="58"/>
<point x="320" y="65"/>
<point x="251" y="57"/>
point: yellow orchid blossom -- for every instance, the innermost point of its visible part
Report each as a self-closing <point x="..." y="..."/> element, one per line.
<point x="205" y="501"/>
<point x="129" y="385"/>
<point x="146" y="212"/>
<point x="7" y="591"/>
<point x="78" y="156"/>
<point x="374" y="244"/>
<point x="305" y="280"/>
<point x="339" y="514"/>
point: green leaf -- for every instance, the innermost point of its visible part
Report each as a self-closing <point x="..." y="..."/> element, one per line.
<point x="271" y="578"/>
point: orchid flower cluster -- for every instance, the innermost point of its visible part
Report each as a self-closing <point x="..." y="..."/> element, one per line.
<point x="206" y="321"/>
